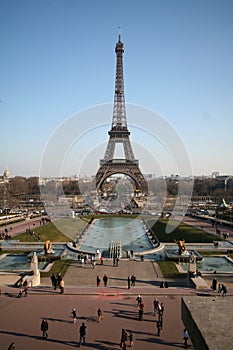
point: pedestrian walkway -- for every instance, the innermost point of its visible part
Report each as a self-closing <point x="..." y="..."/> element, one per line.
<point x="82" y="281"/>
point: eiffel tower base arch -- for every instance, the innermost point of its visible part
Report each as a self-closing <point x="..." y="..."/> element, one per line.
<point x="126" y="167"/>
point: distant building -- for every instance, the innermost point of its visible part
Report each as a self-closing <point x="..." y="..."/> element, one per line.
<point x="215" y="174"/>
<point x="5" y="177"/>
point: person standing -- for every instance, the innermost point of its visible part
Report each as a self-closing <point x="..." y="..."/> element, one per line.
<point x="101" y="260"/>
<point x="12" y="346"/>
<point x="62" y="286"/>
<point x="98" y="281"/>
<point x="214" y="284"/>
<point x="44" y="328"/>
<point x="128" y="280"/>
<point x="105" y="279"/>
<point x="82" y="334"/>
<point x="59" y="278"/>
<point x="54" y="281"/>
<point x="185" y="337"/>
<point x="133" y="280"/>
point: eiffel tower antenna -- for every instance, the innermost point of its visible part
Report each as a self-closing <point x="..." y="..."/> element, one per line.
<point x="119" y="33"/>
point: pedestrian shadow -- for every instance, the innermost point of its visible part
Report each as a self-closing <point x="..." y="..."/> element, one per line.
<point x="36" y="337"/>
<point x="163" y="342"/>
<point x="123" y="304"/>
<point x="11" y="295"/>
<point x="150" y="282"/>
<point x="57" y="319"/>
<point x="93" y="319"/>
<point x="44" y="289"/>
<point x="104" y="345"/>
<point x="129" y="315"/>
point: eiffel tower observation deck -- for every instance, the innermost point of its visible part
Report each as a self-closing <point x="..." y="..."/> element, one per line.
<point x="119" y="134"/>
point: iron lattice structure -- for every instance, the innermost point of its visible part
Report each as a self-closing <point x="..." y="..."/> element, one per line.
<point x="119" y="133"/>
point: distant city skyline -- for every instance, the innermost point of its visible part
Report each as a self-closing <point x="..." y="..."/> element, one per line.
<point x="58" y="61"/>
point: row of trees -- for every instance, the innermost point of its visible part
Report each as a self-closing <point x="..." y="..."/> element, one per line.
<point x="21" y="188"/>
<point x="205" y="187"/>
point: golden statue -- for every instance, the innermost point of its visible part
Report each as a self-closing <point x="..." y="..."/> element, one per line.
<point x="48" y="247"/>
<point x="181" y="245"/>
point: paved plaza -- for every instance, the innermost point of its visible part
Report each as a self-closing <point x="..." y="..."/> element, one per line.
<point x="21" y="317"/>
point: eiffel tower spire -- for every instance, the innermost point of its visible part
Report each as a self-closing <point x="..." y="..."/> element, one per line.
<point x="119" y="113"/>
<point x="119" y="133"/>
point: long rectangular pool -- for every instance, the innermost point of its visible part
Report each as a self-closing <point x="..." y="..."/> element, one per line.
<point x="130" y="232"/>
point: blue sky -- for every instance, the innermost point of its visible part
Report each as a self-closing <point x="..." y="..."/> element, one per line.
<point x="57" y="58"/>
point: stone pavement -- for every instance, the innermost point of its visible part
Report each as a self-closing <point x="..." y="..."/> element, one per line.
<point x="21" y="317"/>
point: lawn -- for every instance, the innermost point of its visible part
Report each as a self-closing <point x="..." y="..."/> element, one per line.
<point x="169" y="270"/>
<point x="184" y="231"/>
<point x="46" y="232"/>
<point x="59" y="266"/>
<point x="65" y="230"/>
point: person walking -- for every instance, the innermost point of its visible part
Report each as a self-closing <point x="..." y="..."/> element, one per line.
<point x="124" y="338"/>
<point x="140" y="314"/>
<point x="161" y="311"/>
<point x="139" y="300"/>
<point x="155" y="304"/>
<point x="93" y="264"/>
<point x="12" y="346"/>
<point x="100" y="315"/>
<point x="159" y="327"/>
<point x="82" y="334"/>
<point x="105" y="279"/>
<point x="74" y="315"/>
<point x="131" y="341"/>
<point x="44" y="328"/>
<point x="185" y="338"/>
<point x="224" y="290"/>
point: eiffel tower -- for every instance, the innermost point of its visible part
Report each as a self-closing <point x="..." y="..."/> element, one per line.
<point x="119" y="133"/>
